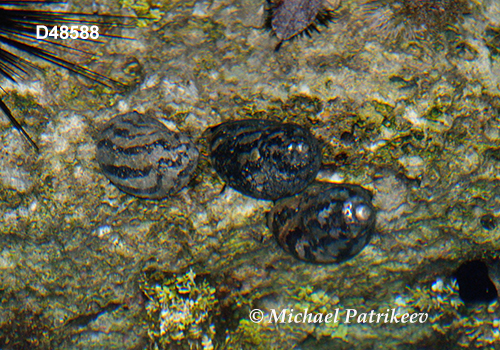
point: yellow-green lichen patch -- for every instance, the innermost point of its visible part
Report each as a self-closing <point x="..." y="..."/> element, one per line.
<point x="143" y="9"/>
<point x="181" y="311"/>
<point x="465" y="326"/>
<point x="274" y="331"/>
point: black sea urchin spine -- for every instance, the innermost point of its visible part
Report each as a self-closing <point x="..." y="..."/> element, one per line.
<point x="19" y="44"/>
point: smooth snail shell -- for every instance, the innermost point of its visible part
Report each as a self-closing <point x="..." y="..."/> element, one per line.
<point x="264" y="159"/>
<point x="142" y="157"/>
<point x="326" y="223"/>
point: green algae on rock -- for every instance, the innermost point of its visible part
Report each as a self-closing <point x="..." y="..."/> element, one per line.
<point x="71" y="215"/>
<point x="468" y="328"/>
<point x="180" y="312"/>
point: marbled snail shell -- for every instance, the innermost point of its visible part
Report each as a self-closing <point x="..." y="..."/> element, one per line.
<point x="326" y="223"/>
<point x="264" y="159"/>
<point x="142" y="157"/>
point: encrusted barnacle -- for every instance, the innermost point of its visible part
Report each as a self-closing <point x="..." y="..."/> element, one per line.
<point x="290" y="18"/>
<point x="142" y="157"/>
<point x="264" y="159"/>
<point x="326" y="223"/>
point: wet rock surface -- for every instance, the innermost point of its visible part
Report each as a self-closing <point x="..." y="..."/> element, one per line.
<point x="423" y="126"/>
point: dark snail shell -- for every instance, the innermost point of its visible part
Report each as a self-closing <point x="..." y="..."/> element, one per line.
<point x="326" y="223"/>
<point x="264" y="159"/>
<point x="142" y="157"/>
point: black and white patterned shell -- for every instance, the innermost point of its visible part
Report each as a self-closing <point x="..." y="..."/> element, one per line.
<point x="326" y="223"/>
<point x="264" y="159"/>
<point x="142" y="157"/>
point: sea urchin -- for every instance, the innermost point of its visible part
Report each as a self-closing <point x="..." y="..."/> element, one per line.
<point x="20" y="47"/>
<point x="396" y="20"/>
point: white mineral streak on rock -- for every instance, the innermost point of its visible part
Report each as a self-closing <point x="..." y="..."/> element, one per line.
<point x="412" y="116"/>
<point x="178" y="90"/>
<point x="200" y="8"/>
<point x="15" y="178"/>
<point x="391" y="201"/>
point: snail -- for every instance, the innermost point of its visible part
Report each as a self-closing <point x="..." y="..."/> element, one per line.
<point x="142" y="157"/>
<point x="264" y="159"/>
<point x="326" y="223"/>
